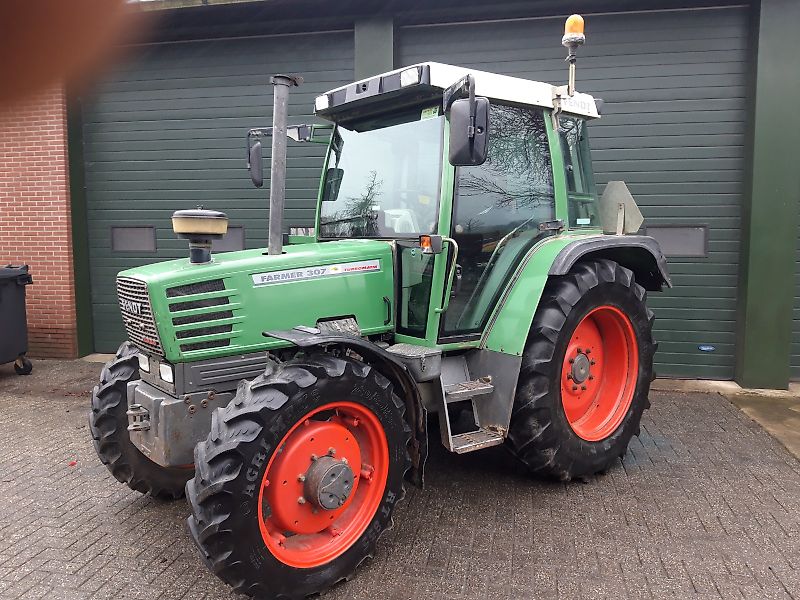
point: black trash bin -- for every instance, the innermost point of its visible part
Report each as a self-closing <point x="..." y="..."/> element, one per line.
<point x="13" y="319"/>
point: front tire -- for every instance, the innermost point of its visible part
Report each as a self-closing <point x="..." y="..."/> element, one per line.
<point x="299" y="476"/>
<point x="108" y="422"/>
<point x="586" y="373"/>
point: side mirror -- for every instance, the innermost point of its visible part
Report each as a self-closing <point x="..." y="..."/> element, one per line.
<point x="469" y="132"/>
<point x="333" y="181"/>
<point x="256" y="165"/>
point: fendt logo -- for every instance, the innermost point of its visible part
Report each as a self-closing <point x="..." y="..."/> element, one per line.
<point x="135" y="308"/>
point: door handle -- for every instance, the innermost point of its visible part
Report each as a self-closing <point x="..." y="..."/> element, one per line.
<point x="454" y="265"/>
<point x="388" y="310"/>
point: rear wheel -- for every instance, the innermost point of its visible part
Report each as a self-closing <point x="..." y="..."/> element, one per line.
<point x="108" y="422"/>
<point x="299" y="477"/>
<point x="585" y="374"/>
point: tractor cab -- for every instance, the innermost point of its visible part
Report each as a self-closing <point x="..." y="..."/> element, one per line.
<point x="474" y="159"/>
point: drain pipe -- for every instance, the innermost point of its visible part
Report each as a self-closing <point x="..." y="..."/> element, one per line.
<point x="277" y="178"/>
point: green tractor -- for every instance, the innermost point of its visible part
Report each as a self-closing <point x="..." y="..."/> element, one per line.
<point x="461" y="266"/>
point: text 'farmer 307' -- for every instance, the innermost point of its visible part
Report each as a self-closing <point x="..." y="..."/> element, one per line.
<point x="461" y="265"/>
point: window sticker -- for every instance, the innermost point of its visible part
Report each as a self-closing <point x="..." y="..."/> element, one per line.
<point x="429" y="113"/>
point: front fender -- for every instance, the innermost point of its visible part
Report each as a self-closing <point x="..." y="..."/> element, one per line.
<point x="391" y="368"/>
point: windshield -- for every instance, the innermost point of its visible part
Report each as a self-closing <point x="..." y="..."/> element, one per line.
<point x="383" y="178"/>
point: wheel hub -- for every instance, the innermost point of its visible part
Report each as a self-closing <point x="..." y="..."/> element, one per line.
<point x="329" y="483"/>
<point x="580" y="368"/>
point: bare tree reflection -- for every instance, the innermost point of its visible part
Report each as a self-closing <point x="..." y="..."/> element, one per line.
<point x="517" y="174"/>
<point x="345" y="223"/>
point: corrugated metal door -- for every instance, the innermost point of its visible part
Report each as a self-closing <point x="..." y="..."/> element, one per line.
<point x="673" y="129"/>
<point x="167" y="131"/>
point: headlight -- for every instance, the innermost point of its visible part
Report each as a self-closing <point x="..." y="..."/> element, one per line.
<point x="321" y="102"/>
<point x="165" y="371"/>
<point x="144" y="363"/>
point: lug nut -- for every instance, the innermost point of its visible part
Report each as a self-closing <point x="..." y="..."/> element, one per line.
<point x="301" y="500"/>
<point x="591" y="377"/>
<point x="579" y="350"/>
<point x="569" y="375"/>
<point x="301" y="478"/>
<point x="192" y="409"/>
<point x="588" y="351"/>
<point x="591" y="362"/>
<point x="331" y="451"/>
<point x="583" y="387"/>
<point x="344" y="461"/>
<point x="204" y="403"/>
<point x="314" y="457"/>
<point x="574" y="388"/>
<point x="187" y="399"/>
<point x="571" y="361"/>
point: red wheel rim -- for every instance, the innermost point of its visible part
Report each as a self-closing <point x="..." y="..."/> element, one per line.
<point x="297" y="530"/>
<point x="599" y="373"/>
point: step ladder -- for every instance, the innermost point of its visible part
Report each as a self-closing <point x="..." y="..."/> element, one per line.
<point x="473" y="391"/>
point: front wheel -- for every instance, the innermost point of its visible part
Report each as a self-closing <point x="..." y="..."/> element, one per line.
<point x="299" y="477"/>
<point x="108" y="423"/>
<point x="585" y="374"/>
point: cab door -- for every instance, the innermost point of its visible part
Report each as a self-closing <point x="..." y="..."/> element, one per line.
<point x="498" y="210"/>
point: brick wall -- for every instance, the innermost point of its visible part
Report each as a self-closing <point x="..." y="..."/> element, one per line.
<point x="35" y="226"/>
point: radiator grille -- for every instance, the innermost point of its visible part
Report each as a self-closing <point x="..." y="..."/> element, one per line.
<point x="137" y="315"/>
<point x="203" y="287"/>
<point x="206" y="323"/>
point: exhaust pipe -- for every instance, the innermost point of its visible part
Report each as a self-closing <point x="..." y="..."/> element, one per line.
<point x="277" y="179"/>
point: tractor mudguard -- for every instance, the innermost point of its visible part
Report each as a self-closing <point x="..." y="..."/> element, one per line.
<point x="391" y="368"/>
<point x="639" y="253"/>
<point x="507" y="330"/>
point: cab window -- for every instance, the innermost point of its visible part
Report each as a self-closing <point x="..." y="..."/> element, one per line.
<point x="581" y="192"/>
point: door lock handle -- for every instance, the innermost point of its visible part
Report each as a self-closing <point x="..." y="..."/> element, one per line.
<point x="446" y="295"/>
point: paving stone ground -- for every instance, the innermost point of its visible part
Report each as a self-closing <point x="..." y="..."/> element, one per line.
<point x="704" y="505"/>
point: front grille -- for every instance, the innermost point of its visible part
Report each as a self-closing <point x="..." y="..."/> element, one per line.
<point x="203" y="287"/>
<point x="205" y="345"/>
<point x="208" y="330"/>
<point x="206" y="323"/>
<point x="204" y="303"/>
<point x="224" y="314"/>
<point x="137" y="315"/>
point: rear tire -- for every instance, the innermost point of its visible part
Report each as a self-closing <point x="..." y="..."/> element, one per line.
<point x="108" y="423"/>
<point x="260" y="527"/>
<point x="575" y="412"/>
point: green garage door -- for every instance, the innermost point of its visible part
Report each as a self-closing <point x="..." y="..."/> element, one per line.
<point x="673" y="129"/>
<point x="168" y="132"/>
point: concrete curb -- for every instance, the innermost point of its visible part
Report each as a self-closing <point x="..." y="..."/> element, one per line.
<point x="726" y="388"/>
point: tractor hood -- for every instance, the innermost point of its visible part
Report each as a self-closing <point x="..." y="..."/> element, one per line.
<point x="188" y="312"/>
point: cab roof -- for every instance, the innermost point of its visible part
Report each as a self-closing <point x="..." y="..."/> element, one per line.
<point x="430" y="81"/>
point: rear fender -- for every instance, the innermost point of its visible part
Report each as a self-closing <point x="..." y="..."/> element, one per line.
<point x="392" y="369"/>
<point x="507" y="330"/>
<point x="639" y="253"/>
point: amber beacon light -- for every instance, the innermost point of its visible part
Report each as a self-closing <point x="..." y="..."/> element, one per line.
<point x="573" y="31"/>
<point x="573" y="37"/>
